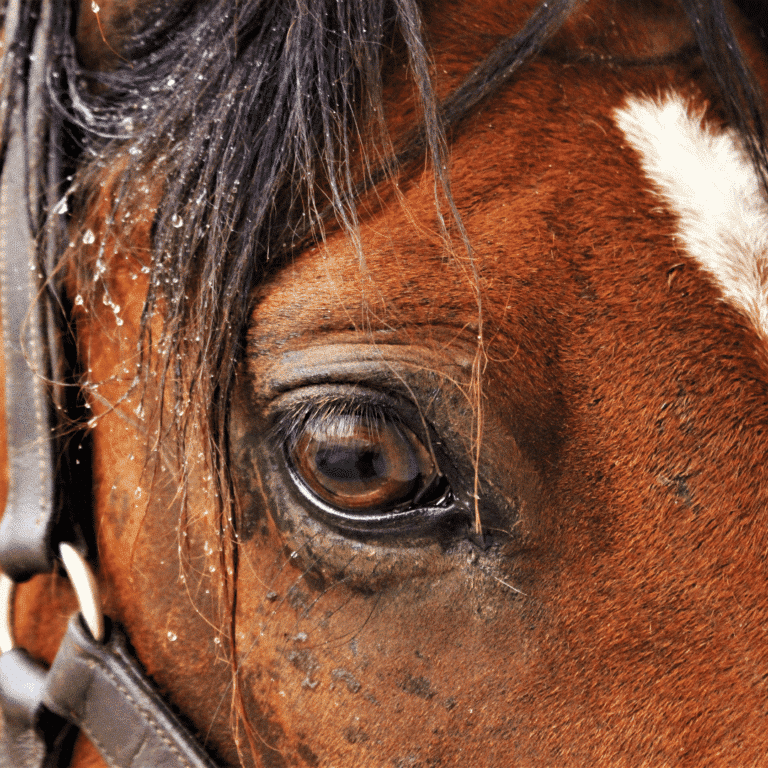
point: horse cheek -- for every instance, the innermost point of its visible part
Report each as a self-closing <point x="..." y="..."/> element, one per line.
<point x="336" y="671"/>
<point x="156" y="560"/>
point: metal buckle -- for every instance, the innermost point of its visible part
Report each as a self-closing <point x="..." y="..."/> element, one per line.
<point x="86" y="589"/>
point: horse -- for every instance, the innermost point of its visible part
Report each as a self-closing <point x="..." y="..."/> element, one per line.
<point x="418" y="374"/>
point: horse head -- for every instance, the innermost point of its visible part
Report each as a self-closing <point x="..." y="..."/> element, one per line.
<point x="422" y="351"/>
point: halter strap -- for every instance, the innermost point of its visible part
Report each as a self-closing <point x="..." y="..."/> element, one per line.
<point x="29" y="517"/>
<point x="99" y="688"/>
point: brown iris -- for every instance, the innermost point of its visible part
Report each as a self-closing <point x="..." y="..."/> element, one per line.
<point x="362" y="463"/>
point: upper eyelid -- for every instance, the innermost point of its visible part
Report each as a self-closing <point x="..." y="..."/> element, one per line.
<point x="347" y="395"/>
<point x="392" y="367"/>
<point x="288" y="421"/>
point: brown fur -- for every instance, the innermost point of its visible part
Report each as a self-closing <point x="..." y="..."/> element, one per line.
<point x="623" y="620"/>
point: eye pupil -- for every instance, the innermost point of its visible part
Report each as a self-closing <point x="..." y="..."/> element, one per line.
<point x="345" y="463"/>
<point x="361" y="464"/>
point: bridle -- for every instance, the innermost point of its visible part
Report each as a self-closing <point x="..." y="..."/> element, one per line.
<point x="94" y="684"/>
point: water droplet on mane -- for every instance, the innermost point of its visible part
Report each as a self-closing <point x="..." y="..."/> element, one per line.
<point x="176" y="220"/>
<point x="172" y="636"/>
<point x="79" y="300"/>
<point x="217" y="641"/>
<point x="207" y="548"/>
<point x="101" y="268"/>
<point x="89" y="237"/>
<point x="94" y="6"/>
<point x="61" y="207"/>
<point x="137" y="492"/>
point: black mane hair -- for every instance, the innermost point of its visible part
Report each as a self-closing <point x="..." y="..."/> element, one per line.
<point x="249" y="112"/>
<point x="263" y="119"/>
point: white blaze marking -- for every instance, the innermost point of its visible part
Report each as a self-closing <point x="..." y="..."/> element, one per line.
<point x="709" y="182"/>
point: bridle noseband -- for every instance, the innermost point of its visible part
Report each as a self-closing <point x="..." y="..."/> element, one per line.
<point x="94" y="684"/>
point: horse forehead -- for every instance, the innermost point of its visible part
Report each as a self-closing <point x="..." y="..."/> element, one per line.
<point x="647" y="184"/>
<point x="521" y="191"/>
<point x="408" y="267"/>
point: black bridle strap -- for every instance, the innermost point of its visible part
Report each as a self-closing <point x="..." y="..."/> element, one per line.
<point x="100" y="688"/>
<point x="29" y="517"/>
<point x="30" y="739"/>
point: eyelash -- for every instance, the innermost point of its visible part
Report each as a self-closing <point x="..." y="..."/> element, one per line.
<point x="294" y="418"/>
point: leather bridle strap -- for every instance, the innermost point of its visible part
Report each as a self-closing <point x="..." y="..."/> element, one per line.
<point x="29" y="517"/>
<point x="97" y="686"/>
<point x="94" y="683"/>
<point x="89" y="679"/>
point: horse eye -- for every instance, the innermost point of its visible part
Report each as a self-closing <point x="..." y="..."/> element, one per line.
<point x="362" y="463"/>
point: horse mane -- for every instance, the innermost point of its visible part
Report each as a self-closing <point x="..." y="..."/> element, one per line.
<point x="264" y="121"/>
